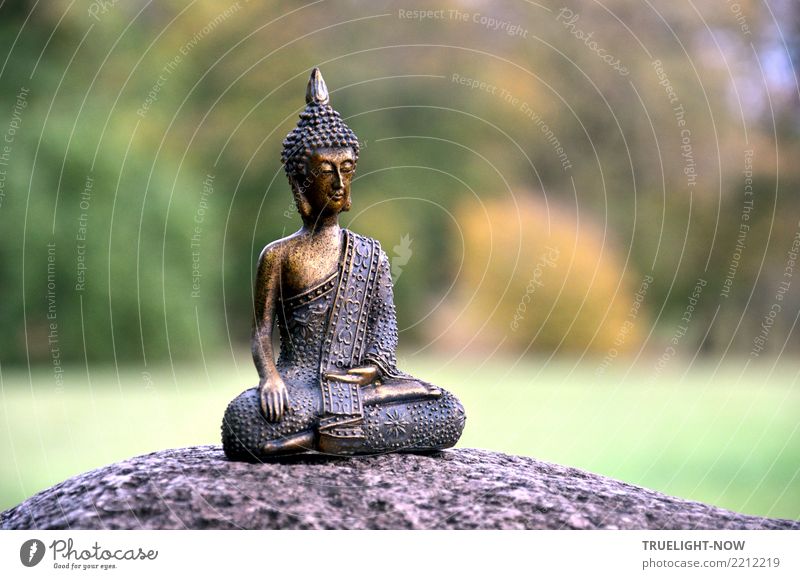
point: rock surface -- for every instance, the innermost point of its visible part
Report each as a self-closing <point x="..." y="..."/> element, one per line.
<point x="197" y="488"/>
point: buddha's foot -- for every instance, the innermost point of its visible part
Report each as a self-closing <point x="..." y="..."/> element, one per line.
<point x="398" y="391"/>
<point x="301" y="442"/>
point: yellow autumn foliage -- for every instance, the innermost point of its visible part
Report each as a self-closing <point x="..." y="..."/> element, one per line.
<point x="540" y="277"/>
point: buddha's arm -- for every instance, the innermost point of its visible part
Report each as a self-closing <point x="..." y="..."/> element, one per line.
<point x="379" y="361"/>
<point x="381" y="348"/>
<point x="382" y="332"/>
<point x="264" y="311"/>
<point x="272" y="390"/>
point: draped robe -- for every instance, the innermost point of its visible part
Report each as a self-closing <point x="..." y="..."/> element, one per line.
<point x="344" y="321"/>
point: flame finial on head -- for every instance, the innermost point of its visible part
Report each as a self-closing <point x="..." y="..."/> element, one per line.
<point x="317" y="91"/>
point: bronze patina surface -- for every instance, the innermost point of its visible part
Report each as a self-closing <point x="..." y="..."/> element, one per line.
<point x="335" y="387"/>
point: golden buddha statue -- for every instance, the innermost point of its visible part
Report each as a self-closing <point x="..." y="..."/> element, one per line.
<point x="335" y="387"/>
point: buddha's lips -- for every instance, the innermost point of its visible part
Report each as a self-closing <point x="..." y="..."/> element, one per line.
<point x="337" y="197"/>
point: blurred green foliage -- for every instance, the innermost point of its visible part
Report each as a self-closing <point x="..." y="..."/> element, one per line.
<point x="145" y="100"/>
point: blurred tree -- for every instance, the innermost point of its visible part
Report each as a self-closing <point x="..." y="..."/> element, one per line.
<point x="147" y="103"/>
<point x="538" y="278"/>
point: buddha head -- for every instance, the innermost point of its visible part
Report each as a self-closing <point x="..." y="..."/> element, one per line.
<point x="320" y="155"/>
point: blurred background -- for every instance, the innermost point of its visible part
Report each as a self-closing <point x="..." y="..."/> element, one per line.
<point x="591" y="210"/>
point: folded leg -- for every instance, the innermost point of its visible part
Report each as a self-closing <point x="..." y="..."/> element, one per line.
<point x="431" y="423"/>
<point x="247" y="435"/>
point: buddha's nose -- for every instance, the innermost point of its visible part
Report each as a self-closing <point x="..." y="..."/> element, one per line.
<point x="337" y="181"/>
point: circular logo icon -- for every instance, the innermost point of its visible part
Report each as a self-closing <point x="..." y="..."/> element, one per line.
<point x="31" y="553"/>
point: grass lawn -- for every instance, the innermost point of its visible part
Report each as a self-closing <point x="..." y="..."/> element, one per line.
<point x="727" y="436"/>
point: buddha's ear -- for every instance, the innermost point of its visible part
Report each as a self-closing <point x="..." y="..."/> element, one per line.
<point x="303" y="206"/>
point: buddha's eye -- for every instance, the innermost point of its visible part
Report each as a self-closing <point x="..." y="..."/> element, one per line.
<point x="347" y="167"/>
<point x="326" y="169"/>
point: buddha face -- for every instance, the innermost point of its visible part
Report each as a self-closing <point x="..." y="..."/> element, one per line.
<point x="326" y="184"/>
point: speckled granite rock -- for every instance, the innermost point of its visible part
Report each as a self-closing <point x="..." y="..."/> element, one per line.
<point x="197" y="488"/>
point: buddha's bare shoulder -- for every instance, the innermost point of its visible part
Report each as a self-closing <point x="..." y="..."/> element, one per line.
<point x="276" y="252"/>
